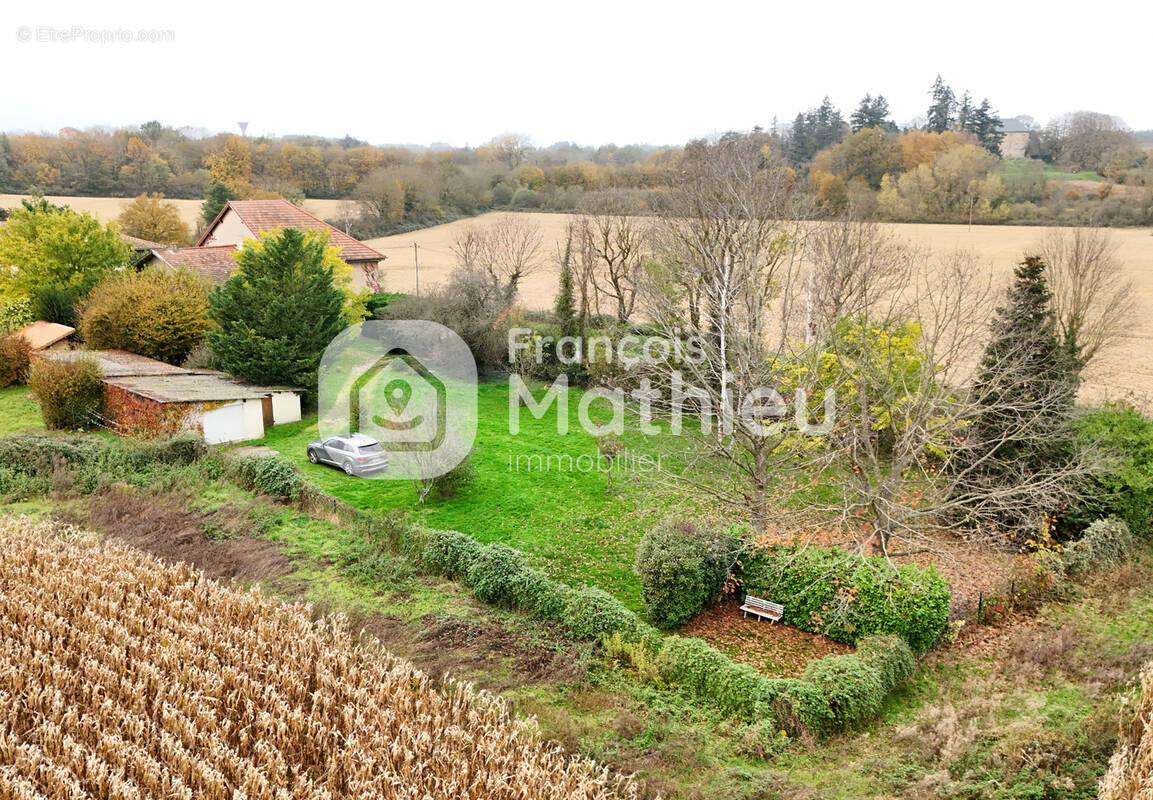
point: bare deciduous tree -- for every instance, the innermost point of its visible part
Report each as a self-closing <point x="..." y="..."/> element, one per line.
<point x="854" y="264"/>
<point x="891" y="332"/>
<point x="507" y="251"/>
<point x="733" y="222"/>
<point x="1093" y="301"/>
<point x="902" y="460"/>
<point x="618" y="241"/>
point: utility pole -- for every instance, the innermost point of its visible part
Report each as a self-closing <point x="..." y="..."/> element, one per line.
<point x="416" y="267"/>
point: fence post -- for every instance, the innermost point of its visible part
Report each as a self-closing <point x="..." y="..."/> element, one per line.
<point x="980" y="606"/>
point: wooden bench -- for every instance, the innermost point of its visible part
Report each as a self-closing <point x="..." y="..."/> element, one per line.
<point x="763" y="608"/>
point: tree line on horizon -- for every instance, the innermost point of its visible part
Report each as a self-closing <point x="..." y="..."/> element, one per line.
<point x="944" y="167"/>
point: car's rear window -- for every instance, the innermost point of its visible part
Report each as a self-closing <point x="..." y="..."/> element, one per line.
<point x="371" y="448"/>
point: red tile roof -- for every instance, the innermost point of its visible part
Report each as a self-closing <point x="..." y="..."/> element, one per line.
<point x="260" y="216"/>
<point x="214" y="263"/>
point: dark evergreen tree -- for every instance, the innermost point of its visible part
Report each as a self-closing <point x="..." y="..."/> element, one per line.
<point x="277" y="312"/>
<point x="986" y="126"/>
<point x="942" y="109"/>
<point x="965" y="113"/>
<point x="1026" y="385"/>
<point x="215" y="199"/>
<point x="565" y="299"/>
<point x="801" y="149"/>
<point x="828" y="126"/>
<point x="6" y="183"/>
<point x="815" y="130"/>
<point x="873" y="112"/>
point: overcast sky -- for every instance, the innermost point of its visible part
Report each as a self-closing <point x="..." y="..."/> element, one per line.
<point x="593" y="72"/>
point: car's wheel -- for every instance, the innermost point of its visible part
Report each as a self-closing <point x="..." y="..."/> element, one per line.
<point x="348" y="468"/>
<point x="313" y="458"/>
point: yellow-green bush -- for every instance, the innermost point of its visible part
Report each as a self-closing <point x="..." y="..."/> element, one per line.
<point x="15" y="358"/>
<point x="158" y="313"/>
<point x="70" y="393"/>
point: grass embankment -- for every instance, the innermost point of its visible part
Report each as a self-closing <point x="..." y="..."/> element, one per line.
<point x="1023" y="711"/>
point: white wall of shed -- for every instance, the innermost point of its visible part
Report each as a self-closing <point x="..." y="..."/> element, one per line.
<point x="285" y="407"/>
<point x="238" y="421"/>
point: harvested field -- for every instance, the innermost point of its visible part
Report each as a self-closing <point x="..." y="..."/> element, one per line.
<point x="124" y="678"/>
<point x="1126" y="372"/>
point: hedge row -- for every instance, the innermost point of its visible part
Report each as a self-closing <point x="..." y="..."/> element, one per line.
<point x="837" y="692"/>
<point x="502" y="576"/>
<point x="1124" y="489"/>
<point x="840" y="692"/>
<point x="826" y="591"/>
<point x="273" y="475"/>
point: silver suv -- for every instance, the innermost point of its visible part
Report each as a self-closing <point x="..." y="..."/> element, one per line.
<point x="354" y="453"/>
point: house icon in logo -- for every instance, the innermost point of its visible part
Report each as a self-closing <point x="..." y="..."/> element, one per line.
<point x="390" y="385"/>
<point x="401" y="382"/>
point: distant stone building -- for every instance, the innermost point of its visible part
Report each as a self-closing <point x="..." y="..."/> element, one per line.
<point x="1015" y="143"/>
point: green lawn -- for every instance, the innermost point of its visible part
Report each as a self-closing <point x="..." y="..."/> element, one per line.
<point x="567" y="521"/>
<point x="18" y="410"/>
<point x="1017" y="167"/>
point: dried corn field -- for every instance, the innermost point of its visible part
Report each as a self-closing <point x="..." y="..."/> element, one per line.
<point x="1130" y="775"/>
<point x="124" y="678"/>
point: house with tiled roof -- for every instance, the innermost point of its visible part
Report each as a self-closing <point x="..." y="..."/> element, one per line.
<point x="214" y="263"/>
<point x="141" y="249"/>
<point x="250" y="219"/>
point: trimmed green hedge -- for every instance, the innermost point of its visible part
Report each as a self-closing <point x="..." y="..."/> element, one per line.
<point x="592" y="613"/>
<point x="1125" y="488"/>
<point x="502" y="576"/>
<point x="891" y="656"/>
<point x="852" y="687"/>
<point x="844" y="597"/>
<point x="682" y="569"/>
<point x="447" y="553"/>
<point x="836" y="695"/>
<point x="837" y="692"/>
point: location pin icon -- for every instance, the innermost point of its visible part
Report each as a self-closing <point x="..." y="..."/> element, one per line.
<point x="397" y="394"/>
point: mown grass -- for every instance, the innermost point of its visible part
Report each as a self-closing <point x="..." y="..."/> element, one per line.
<point x="1019" y="167"/>
<point x="575" y="524"/>
<point x="18" y="410"/>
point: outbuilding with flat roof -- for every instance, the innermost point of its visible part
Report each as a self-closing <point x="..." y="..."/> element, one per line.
<point x="145" y="397"/>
